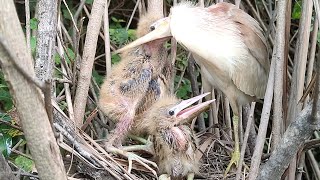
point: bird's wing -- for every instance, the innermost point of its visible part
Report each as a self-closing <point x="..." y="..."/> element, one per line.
<point x="250" y="77"/>
<point x="249" y="29"/>
<point x="253" y="83"/>
<point x="253" y="36"/>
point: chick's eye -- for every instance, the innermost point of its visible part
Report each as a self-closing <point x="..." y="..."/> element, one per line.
<point x="152" y="28"/>
<point x="171" y="113"/>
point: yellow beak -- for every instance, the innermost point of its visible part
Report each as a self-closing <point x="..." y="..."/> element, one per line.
<point x="161" y="30"/>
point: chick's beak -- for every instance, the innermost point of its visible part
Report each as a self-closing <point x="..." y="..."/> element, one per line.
<point x="183" y="113"/>
<point x="161" y="30"/>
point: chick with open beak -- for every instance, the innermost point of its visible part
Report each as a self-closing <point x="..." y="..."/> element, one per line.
<point x="175" y="144"/>
<point x="228" y="45"/>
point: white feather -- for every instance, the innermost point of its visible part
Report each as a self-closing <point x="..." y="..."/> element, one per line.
<point x="187" y="26"/>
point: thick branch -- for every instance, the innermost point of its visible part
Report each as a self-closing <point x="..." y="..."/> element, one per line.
<point x="27" y="97"/>
<point x="295" y="136"/>
<point x="47" y="11"/>
<point x="6" y="173"/>
<point x="297" y="133"/>
<point x="87" y="60"/>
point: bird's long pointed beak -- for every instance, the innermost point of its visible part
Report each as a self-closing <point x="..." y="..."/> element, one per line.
<point x="161" y="30"/>
<point x="183" y="113"/>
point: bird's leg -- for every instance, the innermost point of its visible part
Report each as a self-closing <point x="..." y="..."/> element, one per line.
<point x="147" y="145"/>
<point x="164" y="177"/>
<point x="190" y="176"/>
<point x="236" y="153"/>
<point x="117" y="136"/>
<point x="140" y="139"/>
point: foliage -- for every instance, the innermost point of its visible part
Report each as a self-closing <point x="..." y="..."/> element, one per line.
<point x="8" y="135"/>
<point x="5" y="97"/>
<point x="184" y="89"/>
<point x="33" y="40"/>
<point x="118" y="34"/>
<point x="296" y="12"/>
<point x="24" y="163"/>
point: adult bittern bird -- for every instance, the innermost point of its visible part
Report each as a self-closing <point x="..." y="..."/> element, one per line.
<point x="175" y="144"/>
<point x="228" y="44"/>
<point x="136" y="82"/>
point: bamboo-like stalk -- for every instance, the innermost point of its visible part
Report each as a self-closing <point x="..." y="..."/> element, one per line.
<point x="298" y="75"/>
<point x="107" y="40"/>
<point x="245" y="140"/>
<point x="27" y="9"/>
<point x="256" y="157"/>
<point x="279" y="58"/>
<point x="87" y="60"/>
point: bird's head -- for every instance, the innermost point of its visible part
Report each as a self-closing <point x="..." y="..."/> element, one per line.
<point x="169" y="112"/>
<point x="155" y="32"/>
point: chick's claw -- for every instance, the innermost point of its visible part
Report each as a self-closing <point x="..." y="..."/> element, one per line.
<point x="144" y="162"/>
<point x="164" y="177"/>
<point x="133" y="157"/>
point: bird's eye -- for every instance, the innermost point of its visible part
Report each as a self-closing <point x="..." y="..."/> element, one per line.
<point x="152" y="28"/>
<point x="171" y="112"/>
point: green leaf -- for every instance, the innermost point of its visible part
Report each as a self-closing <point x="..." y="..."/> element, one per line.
<point x="63" y="105"/>
<point x="33" y="44"/>
<point x="115" y="58"/>
<point x="181" y="93"/>
<point x="97" y="77"/>
<point x="296" y="12"/>
<point x="57" y="59"/>
<point x="89" y="1"/>
<point x="205" y="115"/>
<point x="71" y="55"/>
<point x="118" y="36"/>
<point x="66" y="14"/>
<point x="24" y="163"/>
<point x="5" y="117"/>
<point x="184" y="88"/>
<point x="117" y="20"/>
<point x="132" y="34"/>
<point x="5" y="98"/>
<point x="5" y="144"/>
<point x="34" y="23"/>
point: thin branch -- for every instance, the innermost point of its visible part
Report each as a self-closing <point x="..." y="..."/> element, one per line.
<point x="314" y="37"/>
<point x="191" y="70"/>
<point x="27" y="9"/>
<point x="11" y="125"/>
<point x="279" y="57"/>
<point x="72" y="18"/>
<point x="245" y="140"/>
<point x="317" y="10"/>
<point x="314" y="164"/>
<point x="256" y="157"/>
<point x="133" y="12"/>
<point x="6" y="173"/>
<point x="76" y="15"/>
<point x="315" y="110"/>
<point x="87" y="60"/>
<point x="298" y="75"/>
<point x="107" y="40"/>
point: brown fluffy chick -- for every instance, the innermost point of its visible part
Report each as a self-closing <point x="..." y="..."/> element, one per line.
<point x="175" y="144"/>
<point x="134" y="82"/>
